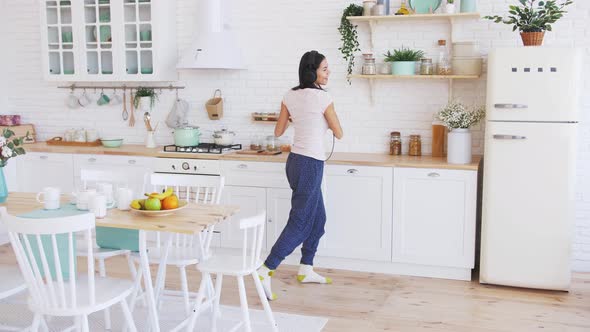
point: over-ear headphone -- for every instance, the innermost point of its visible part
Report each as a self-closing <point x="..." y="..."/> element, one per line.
<point x="310" y="70"/>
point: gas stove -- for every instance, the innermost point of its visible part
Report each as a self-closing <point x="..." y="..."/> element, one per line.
<point x="203" y="148"/>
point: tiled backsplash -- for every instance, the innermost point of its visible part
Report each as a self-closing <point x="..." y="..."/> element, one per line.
<point x="274" y="34"/>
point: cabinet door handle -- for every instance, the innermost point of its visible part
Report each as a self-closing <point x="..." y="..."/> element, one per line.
<point x="508" y="137"/>
<point x="269" y="220"/>
<point x="433" y="174"/>
<point x="44" y="157"/>
<point x="510" y="106"/>
<point x="352" y="171"/>
<point x="132" y="161"/>
<point x="91" y="160"/>
<point x="242" y="166"/>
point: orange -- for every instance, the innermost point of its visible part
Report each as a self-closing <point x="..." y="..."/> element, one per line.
<point x="170" y="202"/>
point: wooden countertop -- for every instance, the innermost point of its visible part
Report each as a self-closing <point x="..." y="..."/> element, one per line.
<point x="338" y="158"/>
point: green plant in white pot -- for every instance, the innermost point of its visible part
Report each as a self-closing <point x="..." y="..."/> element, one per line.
<point x="532" y="18"/>
<point x="145" y="99"/>
<point x="403" y="60"/>
<point x="458" y="118"/>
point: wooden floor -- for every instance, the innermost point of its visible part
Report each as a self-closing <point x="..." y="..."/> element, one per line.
<point x="366" y="302"/>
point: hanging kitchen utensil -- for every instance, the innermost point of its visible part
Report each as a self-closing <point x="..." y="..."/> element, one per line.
<point x="132" y="108"/>
<point x="214" y="106"/>
<point x="125" y="113"/>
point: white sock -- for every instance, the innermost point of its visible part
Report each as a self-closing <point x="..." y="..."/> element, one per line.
<point x="264" y="273"/>
<point x="307" y="274"/>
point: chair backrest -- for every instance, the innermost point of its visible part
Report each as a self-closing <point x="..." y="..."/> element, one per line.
<point x="200" y="189"/>
<point x="203" y="189"/>
<point x="253" y="235"/>
<point x="34" y="241"/>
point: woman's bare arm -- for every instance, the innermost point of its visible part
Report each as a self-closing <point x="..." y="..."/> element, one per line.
<point x="333" y="122"/>
<point x="283" y="121"/>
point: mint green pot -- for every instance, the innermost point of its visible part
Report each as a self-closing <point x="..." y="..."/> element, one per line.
<point x="403" y="68"/>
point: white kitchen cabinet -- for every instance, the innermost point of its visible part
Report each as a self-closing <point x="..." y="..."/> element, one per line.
<point x="358" y="206"/>
<point x="109" y="40"/>
<point x="37" y="170"/>
<point x="434" y="217"/>
<point x="135" y="168"/>
<point x="10" y="174"/>
<point x="251" y="201"/>
<point x="278" y="206"/>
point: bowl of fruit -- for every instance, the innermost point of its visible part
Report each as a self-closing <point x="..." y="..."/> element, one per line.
<point x="158" y="204"/>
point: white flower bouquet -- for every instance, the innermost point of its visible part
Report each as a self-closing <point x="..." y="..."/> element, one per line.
<point x="10" y="146"/>
<point x="456" y="115"/>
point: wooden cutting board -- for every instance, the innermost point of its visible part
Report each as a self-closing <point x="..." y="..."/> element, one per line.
<point x="21" y="130"/>
<point x="259" y="152"/>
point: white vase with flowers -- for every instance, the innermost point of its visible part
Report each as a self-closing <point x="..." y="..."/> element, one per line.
<point x="458" y="118"/>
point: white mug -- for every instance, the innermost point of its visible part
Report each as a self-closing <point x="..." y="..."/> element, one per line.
<point x="124" y="198"/>
<point x="106" y="189"/>
<point x="83" y="198"/>
<point x="50" y="198"/>
<point x="91" y="135"/>
<point x="98" y="205"/>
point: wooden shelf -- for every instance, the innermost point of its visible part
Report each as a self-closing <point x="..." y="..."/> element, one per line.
<point x="411" y="17"/>
<point x="450" y="78"/>
<point x="416" y="77"/>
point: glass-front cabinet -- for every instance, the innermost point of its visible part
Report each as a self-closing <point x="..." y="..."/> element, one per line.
<point x="109" y="40"/>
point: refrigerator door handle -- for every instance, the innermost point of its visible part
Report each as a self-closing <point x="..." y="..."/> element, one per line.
<point x="508" y="137"/>
<point x="510" y="106"/>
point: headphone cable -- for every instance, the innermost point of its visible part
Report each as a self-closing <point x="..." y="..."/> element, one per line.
<point x="333" y="143"/>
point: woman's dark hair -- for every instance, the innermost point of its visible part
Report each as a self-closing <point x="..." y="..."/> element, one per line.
<point x="308" y="66"/>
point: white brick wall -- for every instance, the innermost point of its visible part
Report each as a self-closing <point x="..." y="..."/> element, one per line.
<point x="274" y="34"/>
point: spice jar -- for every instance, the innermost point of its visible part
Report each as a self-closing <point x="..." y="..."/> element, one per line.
<point x="395" y="143"/>
<point x="426" y="67"/>
<point x="255" y="143"/>
<point x="415" y="148"/>
<point x="271" y="144"/>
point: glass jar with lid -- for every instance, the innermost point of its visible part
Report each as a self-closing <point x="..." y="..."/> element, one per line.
<point x="271" y="143"/>
<point x="426" y="67"/>
<point x="395" y="143"/>
<point x="369" y="67"/>
<point x="415" y="148"/>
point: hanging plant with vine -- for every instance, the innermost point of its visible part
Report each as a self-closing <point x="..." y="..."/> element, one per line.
<point x="349" y="35"/>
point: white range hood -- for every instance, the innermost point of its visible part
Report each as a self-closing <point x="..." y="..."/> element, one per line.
<point x="214" y="46"/>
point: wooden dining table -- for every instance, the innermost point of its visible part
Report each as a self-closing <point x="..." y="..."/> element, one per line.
<point x="192" y="219"/>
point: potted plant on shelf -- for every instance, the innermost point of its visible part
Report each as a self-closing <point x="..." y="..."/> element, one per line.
<point x="146" y="97"/>
<point x="349" y="36"/>
<point x="403" y="60"/>
<point x="450" y="7"/>
<point x="532" y="18"/>
<point x="458" y="118"/>
<point x="10" y="146"/>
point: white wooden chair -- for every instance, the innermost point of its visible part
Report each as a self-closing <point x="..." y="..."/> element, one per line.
<point x="77" y="297"/>
<point x="89" y="178"/>
<point x="185" y="250"/>
<point x="11" y="283"/>
<point x="237" y="266"/>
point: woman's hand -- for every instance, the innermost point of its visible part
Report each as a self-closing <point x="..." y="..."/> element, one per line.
<point x="283" y="121"/>
<point x="333" y="122"/>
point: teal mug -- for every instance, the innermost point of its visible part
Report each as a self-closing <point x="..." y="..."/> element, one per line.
<point x="103" y="99"/>
<point x="66" y="37"/>
<point x="145" y="35"/>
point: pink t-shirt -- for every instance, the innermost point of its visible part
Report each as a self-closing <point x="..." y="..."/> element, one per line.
<point x="307" y="107"/>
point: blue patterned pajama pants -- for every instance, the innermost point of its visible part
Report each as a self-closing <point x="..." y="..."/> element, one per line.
<point x="308" y="215"/>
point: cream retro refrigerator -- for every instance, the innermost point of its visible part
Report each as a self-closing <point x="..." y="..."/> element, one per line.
<point x="529" y="167"/>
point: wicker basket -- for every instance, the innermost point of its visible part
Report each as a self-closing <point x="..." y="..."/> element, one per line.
<point x="532" y="38"/>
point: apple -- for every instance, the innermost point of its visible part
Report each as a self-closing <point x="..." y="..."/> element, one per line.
<point x="153" y="204"/>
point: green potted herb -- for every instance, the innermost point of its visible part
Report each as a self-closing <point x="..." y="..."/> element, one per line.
<point x="349" y="36"/>
<point x="403" y="60"/>
<point x="532" y="18"/>
<point x="146" y="97"/>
